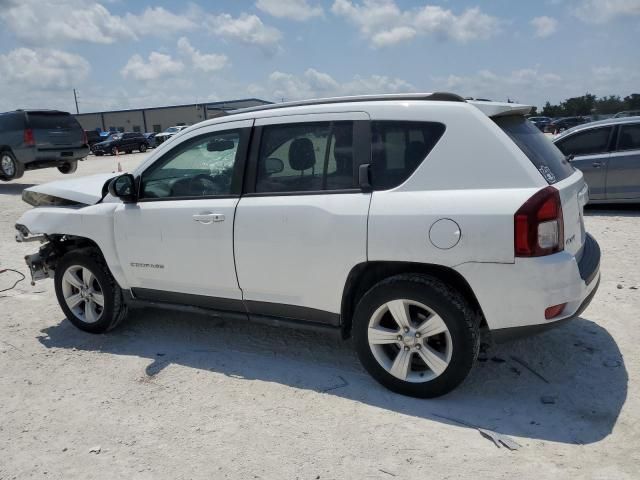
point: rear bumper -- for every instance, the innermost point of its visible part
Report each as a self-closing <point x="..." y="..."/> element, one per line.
<point x="34" y="158"/>
<point x="514" y="296"/>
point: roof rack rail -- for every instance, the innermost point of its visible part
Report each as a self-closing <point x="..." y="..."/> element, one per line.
<point x="435" y="96"/>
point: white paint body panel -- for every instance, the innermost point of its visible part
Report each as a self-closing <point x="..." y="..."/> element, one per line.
<point x="86" y="190"/>
<point x="299" y="249"/>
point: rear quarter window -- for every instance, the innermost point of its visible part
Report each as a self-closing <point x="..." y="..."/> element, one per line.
<point x="545" y="156"/>
<point x="398" y="148"/>
<point x="11" y="121"/>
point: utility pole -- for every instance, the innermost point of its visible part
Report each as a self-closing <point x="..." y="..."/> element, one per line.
<point x="75" y="97"/>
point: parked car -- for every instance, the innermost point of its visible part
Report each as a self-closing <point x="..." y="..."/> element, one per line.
<point x="151" y="139"/>
<point x="409" y="222"/>
<point x="627" y="113"/>
<point x="540" y="122"/>
<point x="562" y="124"/>
<point x="93" y="137"/>
<point x="168" y="133"/>
<point x="608" y="154"/>
<point x="125" y="142"/>
<point x="31" y="139"/>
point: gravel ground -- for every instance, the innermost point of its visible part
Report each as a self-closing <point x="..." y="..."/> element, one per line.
<point x="171" y="395"/>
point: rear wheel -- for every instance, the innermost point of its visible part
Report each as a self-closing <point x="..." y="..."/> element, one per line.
<point x="142" y="148"/>
<point x="68" y="167"/>
<point x="416" y="335"/>
<point x="87" y="293"/>
<point x="10" y="168"/>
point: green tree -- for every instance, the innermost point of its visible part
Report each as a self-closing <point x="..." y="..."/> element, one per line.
<point x="609" y="105"/>
<point x="632" y="102"/>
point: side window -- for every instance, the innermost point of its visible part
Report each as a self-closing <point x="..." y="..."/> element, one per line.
<point x="629" y="137"/>
<point x="199" y="167"/>
<point x="595" y="140"/>
<point x="306" y="157"/>
<point x="398" y="148"/>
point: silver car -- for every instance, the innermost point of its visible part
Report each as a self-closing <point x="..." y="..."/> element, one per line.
<point x="608" y="153"/>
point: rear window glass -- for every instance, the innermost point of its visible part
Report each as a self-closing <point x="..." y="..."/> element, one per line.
<point x="398" y="148"/>
<point x="51" y="120"/>
<point x="546" y="157"/>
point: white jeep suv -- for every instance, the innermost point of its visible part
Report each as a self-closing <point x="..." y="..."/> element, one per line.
<point x="408" y="222"/>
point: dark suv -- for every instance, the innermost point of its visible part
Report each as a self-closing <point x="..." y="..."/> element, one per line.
<point x="565" y="123"/>
<point x="31" y="139"/>
<point x="122" y="142"/>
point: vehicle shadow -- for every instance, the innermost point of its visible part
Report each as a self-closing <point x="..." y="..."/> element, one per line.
<point x="578" y="370"/>
<point x="613" y="210"/>
<point x="14" y="188"/>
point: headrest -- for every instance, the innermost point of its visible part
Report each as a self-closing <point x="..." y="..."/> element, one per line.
<point x="302" y="155"/>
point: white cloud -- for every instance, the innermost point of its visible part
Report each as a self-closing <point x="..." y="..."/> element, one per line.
<point x="384" y="23"/>
<point x="159" y="21"/>
<point x="603" y="11"/>
<point x="299" y="10"/>
<point x="50" y="21"/>
<point x="526" y="85"/>
<point x="159" y="65"/>
<point x="42" y="69"/>
<point x="544" y="26"/>
<point x="313" y="84"/>
<point x="57" y="21"/>
<point x="247" y="29"/>
<point x="207" y="62"/>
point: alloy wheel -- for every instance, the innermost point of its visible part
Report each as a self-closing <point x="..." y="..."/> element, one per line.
<point x="8" y="168"/>
<point x="83" y="293"/>
<point x="410" y="340"/>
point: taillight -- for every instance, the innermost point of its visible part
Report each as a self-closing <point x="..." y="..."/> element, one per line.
<point x="539" y="228"/>
<point x="28" y="138"/>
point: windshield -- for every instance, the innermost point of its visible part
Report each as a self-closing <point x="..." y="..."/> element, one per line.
<point x="546" y="157"/>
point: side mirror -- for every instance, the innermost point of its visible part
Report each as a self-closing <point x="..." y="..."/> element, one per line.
<point x="124" y="187"/>
<point x="273" y="165"/>
<point x="220" y="145"/>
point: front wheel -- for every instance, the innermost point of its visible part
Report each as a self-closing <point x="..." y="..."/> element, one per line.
<point x="89" y="296"/>
<point x="142" y="148"/>
<point x="416" y="335"/>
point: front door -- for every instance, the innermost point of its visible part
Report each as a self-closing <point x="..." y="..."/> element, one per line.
<point x="176" y="242"/>
<point x="303" y="224"/>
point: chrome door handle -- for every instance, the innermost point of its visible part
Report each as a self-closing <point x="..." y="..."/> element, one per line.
<point x="207" y="218"/>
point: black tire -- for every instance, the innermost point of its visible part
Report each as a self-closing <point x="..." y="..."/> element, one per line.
<point x="459" y="318"/>
<point x="68" y="167"/>
<point x="114" y="309"/>
<point x="10" y="168"/>
<point x="142" y="148"/>
<point x="98" y="154"/>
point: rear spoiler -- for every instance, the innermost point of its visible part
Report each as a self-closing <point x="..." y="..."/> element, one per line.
<point x="497" y="109"/>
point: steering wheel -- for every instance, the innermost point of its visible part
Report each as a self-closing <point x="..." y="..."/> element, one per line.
<point x="203" y="184"/>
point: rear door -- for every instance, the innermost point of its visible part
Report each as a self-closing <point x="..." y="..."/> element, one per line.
<point x="301" y="226"/>
<point x="55" y="130"/>
<point x="590" y="150"/>
<point x="623" y="174"/>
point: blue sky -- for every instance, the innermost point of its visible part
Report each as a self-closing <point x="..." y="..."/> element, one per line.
<point x="149" y="53"/>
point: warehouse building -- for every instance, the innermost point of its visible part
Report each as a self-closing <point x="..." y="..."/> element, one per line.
<point x="158" y="119"/>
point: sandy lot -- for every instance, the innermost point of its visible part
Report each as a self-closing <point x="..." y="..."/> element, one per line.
<point x="178" y="396"/>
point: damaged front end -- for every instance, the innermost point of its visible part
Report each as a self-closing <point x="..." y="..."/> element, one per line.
<point x="42" y="264"/>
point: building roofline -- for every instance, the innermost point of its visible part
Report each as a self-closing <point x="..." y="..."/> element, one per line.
<point x="212" y="105"/>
